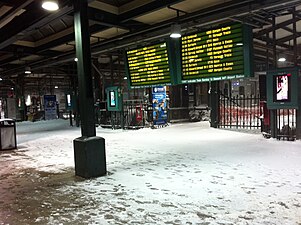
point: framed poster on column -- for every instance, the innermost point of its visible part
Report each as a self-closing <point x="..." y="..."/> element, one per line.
<point x="282" y="88"/>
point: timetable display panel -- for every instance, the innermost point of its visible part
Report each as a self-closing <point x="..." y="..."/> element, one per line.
<point x="216" y="54"/>
<point x="148" y="66"/>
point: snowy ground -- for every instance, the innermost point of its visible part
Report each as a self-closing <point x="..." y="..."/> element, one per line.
<point x="182" y="174"/>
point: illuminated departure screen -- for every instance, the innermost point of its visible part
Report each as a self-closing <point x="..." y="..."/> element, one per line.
<point x="148" y="66"/>
<point x="215" y="54"/>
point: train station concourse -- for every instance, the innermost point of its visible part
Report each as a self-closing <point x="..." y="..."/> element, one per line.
<point x="150" y="112"/>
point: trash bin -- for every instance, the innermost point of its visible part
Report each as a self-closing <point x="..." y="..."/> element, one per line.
<point x="8" y="134"/>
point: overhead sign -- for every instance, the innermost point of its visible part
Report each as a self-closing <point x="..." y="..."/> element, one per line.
<point x="148" y="66"/>
<point x="217" y="54"/>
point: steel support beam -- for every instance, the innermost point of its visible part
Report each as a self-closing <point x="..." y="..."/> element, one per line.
<point x="89" y="150"/>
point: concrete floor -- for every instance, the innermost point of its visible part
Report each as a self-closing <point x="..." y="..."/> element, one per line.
<point x="181" y="174"/>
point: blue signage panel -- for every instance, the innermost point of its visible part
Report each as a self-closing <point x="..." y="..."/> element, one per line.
<point x="50" y="107"/>
<point x="159" y="105"/>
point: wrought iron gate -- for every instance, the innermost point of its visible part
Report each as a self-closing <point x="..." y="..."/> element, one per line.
<point x="239" y="112"/>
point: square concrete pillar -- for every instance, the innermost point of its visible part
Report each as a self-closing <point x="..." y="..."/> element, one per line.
<point x="90" y="157"/>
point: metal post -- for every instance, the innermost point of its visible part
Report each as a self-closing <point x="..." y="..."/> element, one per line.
<point x="70" y="118"/>
<point x="298" y="113"/>
<point x="82" y="41"/>
<point x="214" y="103"/>
<point x="89" y="150"/>
<point x="273" y="113"/>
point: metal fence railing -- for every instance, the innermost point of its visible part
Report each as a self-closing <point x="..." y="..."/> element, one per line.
<point x="239" y="112"/>
<point x="135" y="115"/>
<point x="286" y="124"/>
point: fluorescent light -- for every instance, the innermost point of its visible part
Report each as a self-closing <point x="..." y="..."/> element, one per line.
<point x="281" y="59"/>
<point x="125" y="78"/>
<point x="175" y="35"/>
<point x="56" y="87"/>
<point x="175" y="31"/>
<point x="239" y="44"/>
<point x="50" y="5"/>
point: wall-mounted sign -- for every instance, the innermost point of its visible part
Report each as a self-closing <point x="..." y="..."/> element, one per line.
<point x="282" y="88"/>
<point x="217" y="54"/>
<point x="148" y="66"/>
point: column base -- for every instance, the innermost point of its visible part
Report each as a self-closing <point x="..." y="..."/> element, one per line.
<point x="90" y="157"/>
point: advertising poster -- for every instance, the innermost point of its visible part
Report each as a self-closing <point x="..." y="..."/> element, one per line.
<point x="159" y="105"/>
<point x="112" y="99"/>
<point x="50" y="107"/>
<point x="282" y="87"/>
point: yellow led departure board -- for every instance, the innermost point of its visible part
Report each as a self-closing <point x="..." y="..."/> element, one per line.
<point x="215" y="54"/>
<point x="148" y="66"/>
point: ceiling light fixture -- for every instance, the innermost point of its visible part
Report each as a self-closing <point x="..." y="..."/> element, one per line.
<point x="175" y="31"/>
<point x="76" y="59"/>
<point x="1" y="79"/>
<point x="56" y="87"/>
<point x="50" y="5"/>
<point x="27" y="70"/>
<point x="281" y="59"/>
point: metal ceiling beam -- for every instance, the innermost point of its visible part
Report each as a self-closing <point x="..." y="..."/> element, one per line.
<point x="67" y="38"/>
<point x="276" y="27"/>
<point x="104" y="18"/>
<point x="22" y="51"/>
<point x="212" y="15"/>
<point x="278" y="43"/>
<point x="18" y="24"/>
<point x="112" y="20"/>
<point x="145" y="9"/>
<point x="14" y="10"/>
<point x="288" y="38"/>
<point x="11" y="2"/>
<point x="28" y="21"/>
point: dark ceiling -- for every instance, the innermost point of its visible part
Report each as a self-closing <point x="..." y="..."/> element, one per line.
<point x="44" y="41"/>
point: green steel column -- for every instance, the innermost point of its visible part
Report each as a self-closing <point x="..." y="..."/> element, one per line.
<point x="89" y="150"/>
<point x="298" y="122"/>
<point x="273" y="121"/>
<point x="214" y="103"/>
<point x="82" y="43"/>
